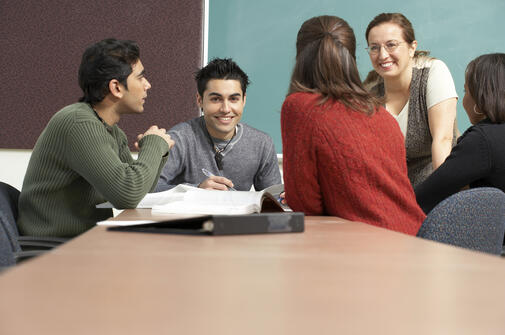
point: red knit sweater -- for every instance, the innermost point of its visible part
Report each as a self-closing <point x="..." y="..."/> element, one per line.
<point x="341" y="162"/>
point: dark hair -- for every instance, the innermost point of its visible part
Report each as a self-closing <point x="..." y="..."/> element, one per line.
<point x="400" y="20"/>
<point x="103" y="61"/>
<point x="220" y="68"/>
<point x="485" y="79"/>
<point x="326" y="63"/>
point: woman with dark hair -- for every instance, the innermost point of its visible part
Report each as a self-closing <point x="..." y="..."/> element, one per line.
<point x="416" y="89"/>
<point x="478" y="159"/>
<point x="343" y="153"/>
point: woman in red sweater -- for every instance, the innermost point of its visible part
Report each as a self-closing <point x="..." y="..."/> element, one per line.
<point x="344" y="155"/>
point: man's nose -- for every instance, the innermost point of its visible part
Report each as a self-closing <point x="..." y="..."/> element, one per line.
<point x="225" y="107"/>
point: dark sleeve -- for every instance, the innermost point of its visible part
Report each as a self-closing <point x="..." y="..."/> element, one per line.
<point x="126" y="156"/>
<point x="124" y="184"/>
<point x="469" y="161"/>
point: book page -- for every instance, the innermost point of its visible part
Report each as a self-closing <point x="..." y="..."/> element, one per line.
<point x="185" y="199"/>
<point x="158" y="198"/>
<point x="200" y="201"/>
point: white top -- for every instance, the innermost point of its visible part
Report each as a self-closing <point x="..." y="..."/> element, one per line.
<point x="440" y="87"/>
<point x="403" y="119"/>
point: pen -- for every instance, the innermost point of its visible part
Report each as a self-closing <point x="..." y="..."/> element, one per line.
<point x="210" y="174"/>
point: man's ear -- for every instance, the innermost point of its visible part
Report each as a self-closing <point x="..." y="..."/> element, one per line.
<point x="245" y="96"/>
<point x="116" y="89"/>
<point x="199" y="100"/>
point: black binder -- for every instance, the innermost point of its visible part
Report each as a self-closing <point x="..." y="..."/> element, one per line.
<point x="260" y="223"/>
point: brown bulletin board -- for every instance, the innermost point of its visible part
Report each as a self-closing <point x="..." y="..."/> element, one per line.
<point x="41" y="49"/>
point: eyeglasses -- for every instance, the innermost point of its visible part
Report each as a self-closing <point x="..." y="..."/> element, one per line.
<point x="390" y="47"/>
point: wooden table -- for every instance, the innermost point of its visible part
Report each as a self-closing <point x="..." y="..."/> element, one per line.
<point x="338" y="277"/>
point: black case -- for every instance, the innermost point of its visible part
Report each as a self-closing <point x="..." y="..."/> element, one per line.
<point x="261" y="223"/>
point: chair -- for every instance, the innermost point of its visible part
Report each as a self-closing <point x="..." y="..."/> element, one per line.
<point x="8" y="247"/>
<point x="13" y="247"/>
<point x="472" y="219"/>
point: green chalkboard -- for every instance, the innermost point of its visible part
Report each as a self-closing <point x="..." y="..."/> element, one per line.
<point x="260" y="36"/>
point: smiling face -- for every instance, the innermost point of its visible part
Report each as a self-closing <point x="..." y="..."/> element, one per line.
<point x="394" y="63"/>
<point x="222" y="104"/>
<point x="134" y="96"/>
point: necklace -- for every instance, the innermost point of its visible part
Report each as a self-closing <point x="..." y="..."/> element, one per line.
<point x="218" y="156"/>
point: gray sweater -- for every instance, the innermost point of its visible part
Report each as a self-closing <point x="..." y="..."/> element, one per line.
<point x="249" y="159"/>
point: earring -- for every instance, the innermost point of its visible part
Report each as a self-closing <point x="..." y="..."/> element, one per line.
<point x="475" y="110"/>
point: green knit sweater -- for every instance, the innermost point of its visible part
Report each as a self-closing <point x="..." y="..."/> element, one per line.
<point x="79" y="162"/>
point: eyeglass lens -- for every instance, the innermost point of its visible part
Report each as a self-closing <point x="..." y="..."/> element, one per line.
<point x="389" y="47"/>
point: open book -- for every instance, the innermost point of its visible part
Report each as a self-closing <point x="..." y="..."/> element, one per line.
<point x="184" y="199"/>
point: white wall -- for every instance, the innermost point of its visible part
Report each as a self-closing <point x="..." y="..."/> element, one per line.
<point x="14" y="163"/>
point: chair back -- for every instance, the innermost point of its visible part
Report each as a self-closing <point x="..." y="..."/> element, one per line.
<point x="9" y="244"/>
<point x="473" y="219"/>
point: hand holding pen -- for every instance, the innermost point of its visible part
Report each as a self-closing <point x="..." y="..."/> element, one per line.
<point x="216" y="182"/>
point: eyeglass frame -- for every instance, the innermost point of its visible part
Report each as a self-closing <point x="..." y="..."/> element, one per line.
<point x="370" y="52"/>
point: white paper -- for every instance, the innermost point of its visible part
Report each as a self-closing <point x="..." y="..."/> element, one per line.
<point x="185" y="199"/>
<point x="199" y="201"/>
<point x="123" y="223"/>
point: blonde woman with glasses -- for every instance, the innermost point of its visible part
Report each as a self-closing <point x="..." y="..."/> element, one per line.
<point x="418" y="91"/>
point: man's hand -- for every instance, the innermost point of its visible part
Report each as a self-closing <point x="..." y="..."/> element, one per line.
<point x="216" y="183"/>
<point x="154" y="130"/>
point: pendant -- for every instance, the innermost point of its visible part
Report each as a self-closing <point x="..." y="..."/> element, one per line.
<point x="219" y="160"/>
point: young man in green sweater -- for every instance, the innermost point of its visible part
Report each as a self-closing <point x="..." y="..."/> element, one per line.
<point x="82" y="157"/>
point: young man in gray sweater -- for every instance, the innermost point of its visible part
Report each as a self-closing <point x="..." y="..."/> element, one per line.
<point x="215" y="151"/>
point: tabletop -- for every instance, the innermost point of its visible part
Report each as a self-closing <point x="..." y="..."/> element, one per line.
<point x="336" y="277"/>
